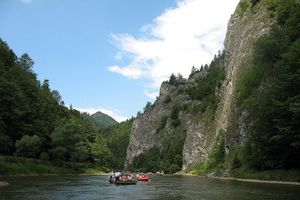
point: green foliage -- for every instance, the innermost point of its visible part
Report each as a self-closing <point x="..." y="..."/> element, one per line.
<point x="200" y="168"/>
<point x="27" y="166"/>
<point x="175" y="111"/>
<point x="29" y="146"/>
<point x="148" y="106"/>
<point x="101" y="152"/>
<point x="117" y="140"/>
<point x="168" y="158"/>
<point x="27" y="106"/>
<point x="80" y="153"/>
<point x="269" y="175"/>
<point x="30" y="168"/>
<point x="58" y="153"/>
<point x="176" y="80"/>
<point x="33" y="118"/>
<point x="216" y="158"/>
<point x="236" y="161"/>
<point x="167" y="99"/>
<point x="217" y="154"/>
<point x="243" y="6"/>
<point x="75" y="136"/>
<point x="162" y="123"/>
<point x="205" y="89"/>
<point x="44" y="156"/>
<point x="269" y="92"/>
<point x="5" y="143"/>
<point x="254" y="2"/>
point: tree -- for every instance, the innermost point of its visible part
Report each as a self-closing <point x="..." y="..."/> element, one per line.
<point x="180" y="79"/>
<point x="172" y="80"/>
<point x="29" y="146"/>
<point x="81" y="152"/>
<point x="148" y="106"/>
<point x="194" y="70"/>
<point x="58" y="153"/>
<point x="26" y="62"/>
<point x="75" y="135"/>
<point x="101" y="152"/>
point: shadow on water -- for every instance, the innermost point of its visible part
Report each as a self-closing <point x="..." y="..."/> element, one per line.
<point x="160" y="188"/>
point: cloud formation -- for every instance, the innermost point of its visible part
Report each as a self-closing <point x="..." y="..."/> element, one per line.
<point x="181" y="37"/>
<point x="113" y="113"/>
<point x="151" y="95"/>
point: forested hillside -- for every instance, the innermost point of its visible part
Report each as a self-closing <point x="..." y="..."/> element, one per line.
<point x="269" y="92"/>
<point x="100" y="120"/>
<point x="35" y="123"/>
<point x="117" y="139"/>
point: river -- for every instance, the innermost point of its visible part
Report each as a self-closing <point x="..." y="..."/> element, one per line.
<point x="159" y="187"/>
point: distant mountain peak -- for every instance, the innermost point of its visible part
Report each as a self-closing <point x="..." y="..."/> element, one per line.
<point x="100" y="120"/>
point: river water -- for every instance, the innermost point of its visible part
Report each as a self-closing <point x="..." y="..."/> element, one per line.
<point x="159" y="187"/>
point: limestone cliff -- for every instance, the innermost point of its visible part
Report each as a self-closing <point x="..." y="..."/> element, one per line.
<point x="200" y="127"/>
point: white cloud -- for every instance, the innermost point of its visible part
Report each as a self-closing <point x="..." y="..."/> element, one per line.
<point x="26" y="1"/>
<point x="113" y="113"/>
<point x="131" y="71"/>
<point x="151" y="95"/>
<point x="185" y="36"/>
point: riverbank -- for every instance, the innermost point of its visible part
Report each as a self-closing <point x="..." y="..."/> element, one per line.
<point x="256" y="180"/>
<point x="14" y="166"/>
<point x="211" y="176"/>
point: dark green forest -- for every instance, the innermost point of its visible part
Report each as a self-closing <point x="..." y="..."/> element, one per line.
<point x="35" y="123"/>
<point x="269" y="92"/>
<point x="117" y="139"/>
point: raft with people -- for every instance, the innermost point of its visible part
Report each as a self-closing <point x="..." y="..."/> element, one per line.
<point x="121" y="179"/>
<point x="121" y="182"/>
<point x="142" y="177"/>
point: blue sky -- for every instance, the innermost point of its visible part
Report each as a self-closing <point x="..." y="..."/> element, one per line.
<point x="111" y="55"/>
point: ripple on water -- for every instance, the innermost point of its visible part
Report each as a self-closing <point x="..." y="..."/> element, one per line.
<point x="160" y="188"/>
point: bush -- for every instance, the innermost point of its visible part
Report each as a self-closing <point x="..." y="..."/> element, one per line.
<point x="58" y="153"/>
<point x="167" y="99"/>
<point x="254" y="2"/>
<point x="175" y="122"/>
<point x="29" y="146"/>
<point x="101" y="152"/>
<point x="6" y="144"/>
<point x="244" y="4"/>
<point x="175" y="111"/>
<point x="205" y="88"/>
<point x="44" y="156"/>
<point x="162" y="123"/>
<point x="80" y="153"/>
<point x="217" y="155"/>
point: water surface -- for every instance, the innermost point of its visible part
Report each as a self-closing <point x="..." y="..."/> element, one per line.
<point x="160" y="188"/>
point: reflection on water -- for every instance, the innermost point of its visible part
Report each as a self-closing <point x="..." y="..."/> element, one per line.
<point x="160" y="188"/>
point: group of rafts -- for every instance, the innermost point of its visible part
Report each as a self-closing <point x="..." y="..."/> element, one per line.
<point x="126" y="178"/>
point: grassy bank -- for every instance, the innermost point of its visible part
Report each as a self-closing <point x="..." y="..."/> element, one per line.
<point x="202" y="169"/>
<point x="270" y="175"/>
<point x="26" y="166"/>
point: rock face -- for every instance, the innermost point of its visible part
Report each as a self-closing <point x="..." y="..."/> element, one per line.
<point x="201" y="131"/>
<point x="147" y="130"/>
<point x="242" y="32"/>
